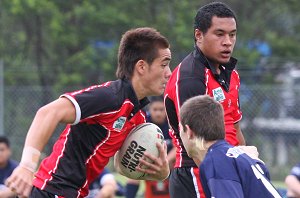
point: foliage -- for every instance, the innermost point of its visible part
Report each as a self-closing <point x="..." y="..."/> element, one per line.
<point x="74" y="42"/>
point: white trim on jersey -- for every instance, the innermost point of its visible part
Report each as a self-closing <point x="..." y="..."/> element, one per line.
<point x="77" y="108"/>
<point x="195" y="182"/>
<point x="178" y="107"/>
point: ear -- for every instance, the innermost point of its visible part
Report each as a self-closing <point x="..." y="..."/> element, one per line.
<point x="141" y="66"/>
<point x="198" y="34"/>
<point x="190" y="132"/>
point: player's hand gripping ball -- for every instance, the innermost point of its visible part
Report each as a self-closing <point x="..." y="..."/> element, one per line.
<point x="141" y="139"/>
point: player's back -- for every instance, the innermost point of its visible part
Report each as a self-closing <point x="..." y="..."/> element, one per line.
<point x="227" y="171"/>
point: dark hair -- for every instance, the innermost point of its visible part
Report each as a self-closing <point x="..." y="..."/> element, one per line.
<point x="205" y="14"/>
<point x="204" y="116"/>
<point x="138" y="44"/>
<point x="5" y="140"/>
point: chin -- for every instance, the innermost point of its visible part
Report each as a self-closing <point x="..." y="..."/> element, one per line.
<point x="158" y="93"/>
<point x="224" y="61"/>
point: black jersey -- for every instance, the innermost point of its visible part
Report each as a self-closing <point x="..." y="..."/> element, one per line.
<point x="105" y="114"/>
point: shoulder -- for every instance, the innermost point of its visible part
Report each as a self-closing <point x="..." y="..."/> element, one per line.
<point x="220" y="161"/>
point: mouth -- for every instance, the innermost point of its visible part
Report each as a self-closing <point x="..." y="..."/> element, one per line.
<point x="226" y="53"/>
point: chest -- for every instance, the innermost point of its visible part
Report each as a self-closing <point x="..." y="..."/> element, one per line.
<point x="215" y="88"/>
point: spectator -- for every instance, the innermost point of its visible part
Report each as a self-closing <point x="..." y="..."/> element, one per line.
<point x="105" y="186"/>
<point x="7" y="166"/>
<point x="292" y="182"/>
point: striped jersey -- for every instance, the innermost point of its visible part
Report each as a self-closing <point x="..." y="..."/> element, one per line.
<point x="105" y="114"/>
<point x="196" y="76"/>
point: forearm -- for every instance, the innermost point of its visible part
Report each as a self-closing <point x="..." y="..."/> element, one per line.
<point x="37" y="137"/>
<point x="239" y="134"/>
<point x="46" y="121"/>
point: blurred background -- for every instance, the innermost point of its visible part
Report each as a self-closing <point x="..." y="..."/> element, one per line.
<point x="48" y="47"/>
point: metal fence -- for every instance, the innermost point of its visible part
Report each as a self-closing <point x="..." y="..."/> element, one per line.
<point x="271" y="121"/>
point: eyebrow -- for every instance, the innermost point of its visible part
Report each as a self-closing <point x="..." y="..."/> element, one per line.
<point x="221" y="30"/>
<point x="166" y="59"/>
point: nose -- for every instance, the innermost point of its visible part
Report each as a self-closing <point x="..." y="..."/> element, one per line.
<point x="168" y="72"/>
<point x="227" y="40"/>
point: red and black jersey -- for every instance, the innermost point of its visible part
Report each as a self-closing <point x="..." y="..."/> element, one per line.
<point x="196" y="76"/>
<point x="105" y="114"/>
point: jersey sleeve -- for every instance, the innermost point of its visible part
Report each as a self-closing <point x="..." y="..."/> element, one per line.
<point x="221" y="188"/>
<point x="90" y="101"/>
<point x="178" y="90"/>
<point x="237" y="113"/>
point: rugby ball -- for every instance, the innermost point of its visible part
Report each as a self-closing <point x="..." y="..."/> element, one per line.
<point x="141" y="139"/>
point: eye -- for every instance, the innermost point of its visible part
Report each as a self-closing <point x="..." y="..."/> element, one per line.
<point x="165" y="65"/>
<point x="232" y="34"/>
<point x="219" y="34"/>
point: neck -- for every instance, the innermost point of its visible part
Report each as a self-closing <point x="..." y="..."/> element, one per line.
<point x="202" y="147"/>
<point x="138" y="88"/>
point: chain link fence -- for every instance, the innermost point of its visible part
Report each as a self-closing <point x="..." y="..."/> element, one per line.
<point x="271" y="121"/>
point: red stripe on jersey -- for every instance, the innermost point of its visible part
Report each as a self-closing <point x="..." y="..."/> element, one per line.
<point x="44" y="173"/>
<point x="196" y="179"/>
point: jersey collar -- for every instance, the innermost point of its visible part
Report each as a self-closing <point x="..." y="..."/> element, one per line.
<point x="138" y="104"/>
<point x="224" y="77"/>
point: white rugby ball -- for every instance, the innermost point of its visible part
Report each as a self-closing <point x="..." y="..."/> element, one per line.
<point x="141" y="139"/>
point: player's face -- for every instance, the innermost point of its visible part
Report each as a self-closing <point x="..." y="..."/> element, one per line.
<point x="193" y="147"/>
<point x="157" y="112"/>
<point x="218" y="42"/>
<point x="184" y="138"/>
<point x="158" y="73"/>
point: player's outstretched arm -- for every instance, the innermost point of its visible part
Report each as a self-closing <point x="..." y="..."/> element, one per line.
<point x="159" y="168"/>
<point x="41" y="129"/>
<point x="239" y="134"/>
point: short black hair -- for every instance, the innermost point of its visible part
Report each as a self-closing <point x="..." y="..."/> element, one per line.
<point x="205" y="14"/>
<point x="5" y="140"/>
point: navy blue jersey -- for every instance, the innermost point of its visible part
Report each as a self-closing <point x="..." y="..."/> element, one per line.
<point x="227" y="171"/>
<point x="6" y="171"/>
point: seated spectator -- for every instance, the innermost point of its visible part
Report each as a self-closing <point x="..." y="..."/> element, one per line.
<point x="105" y="186"/>
<point x="7" y="166"/>
<point x="292" y="182"/>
